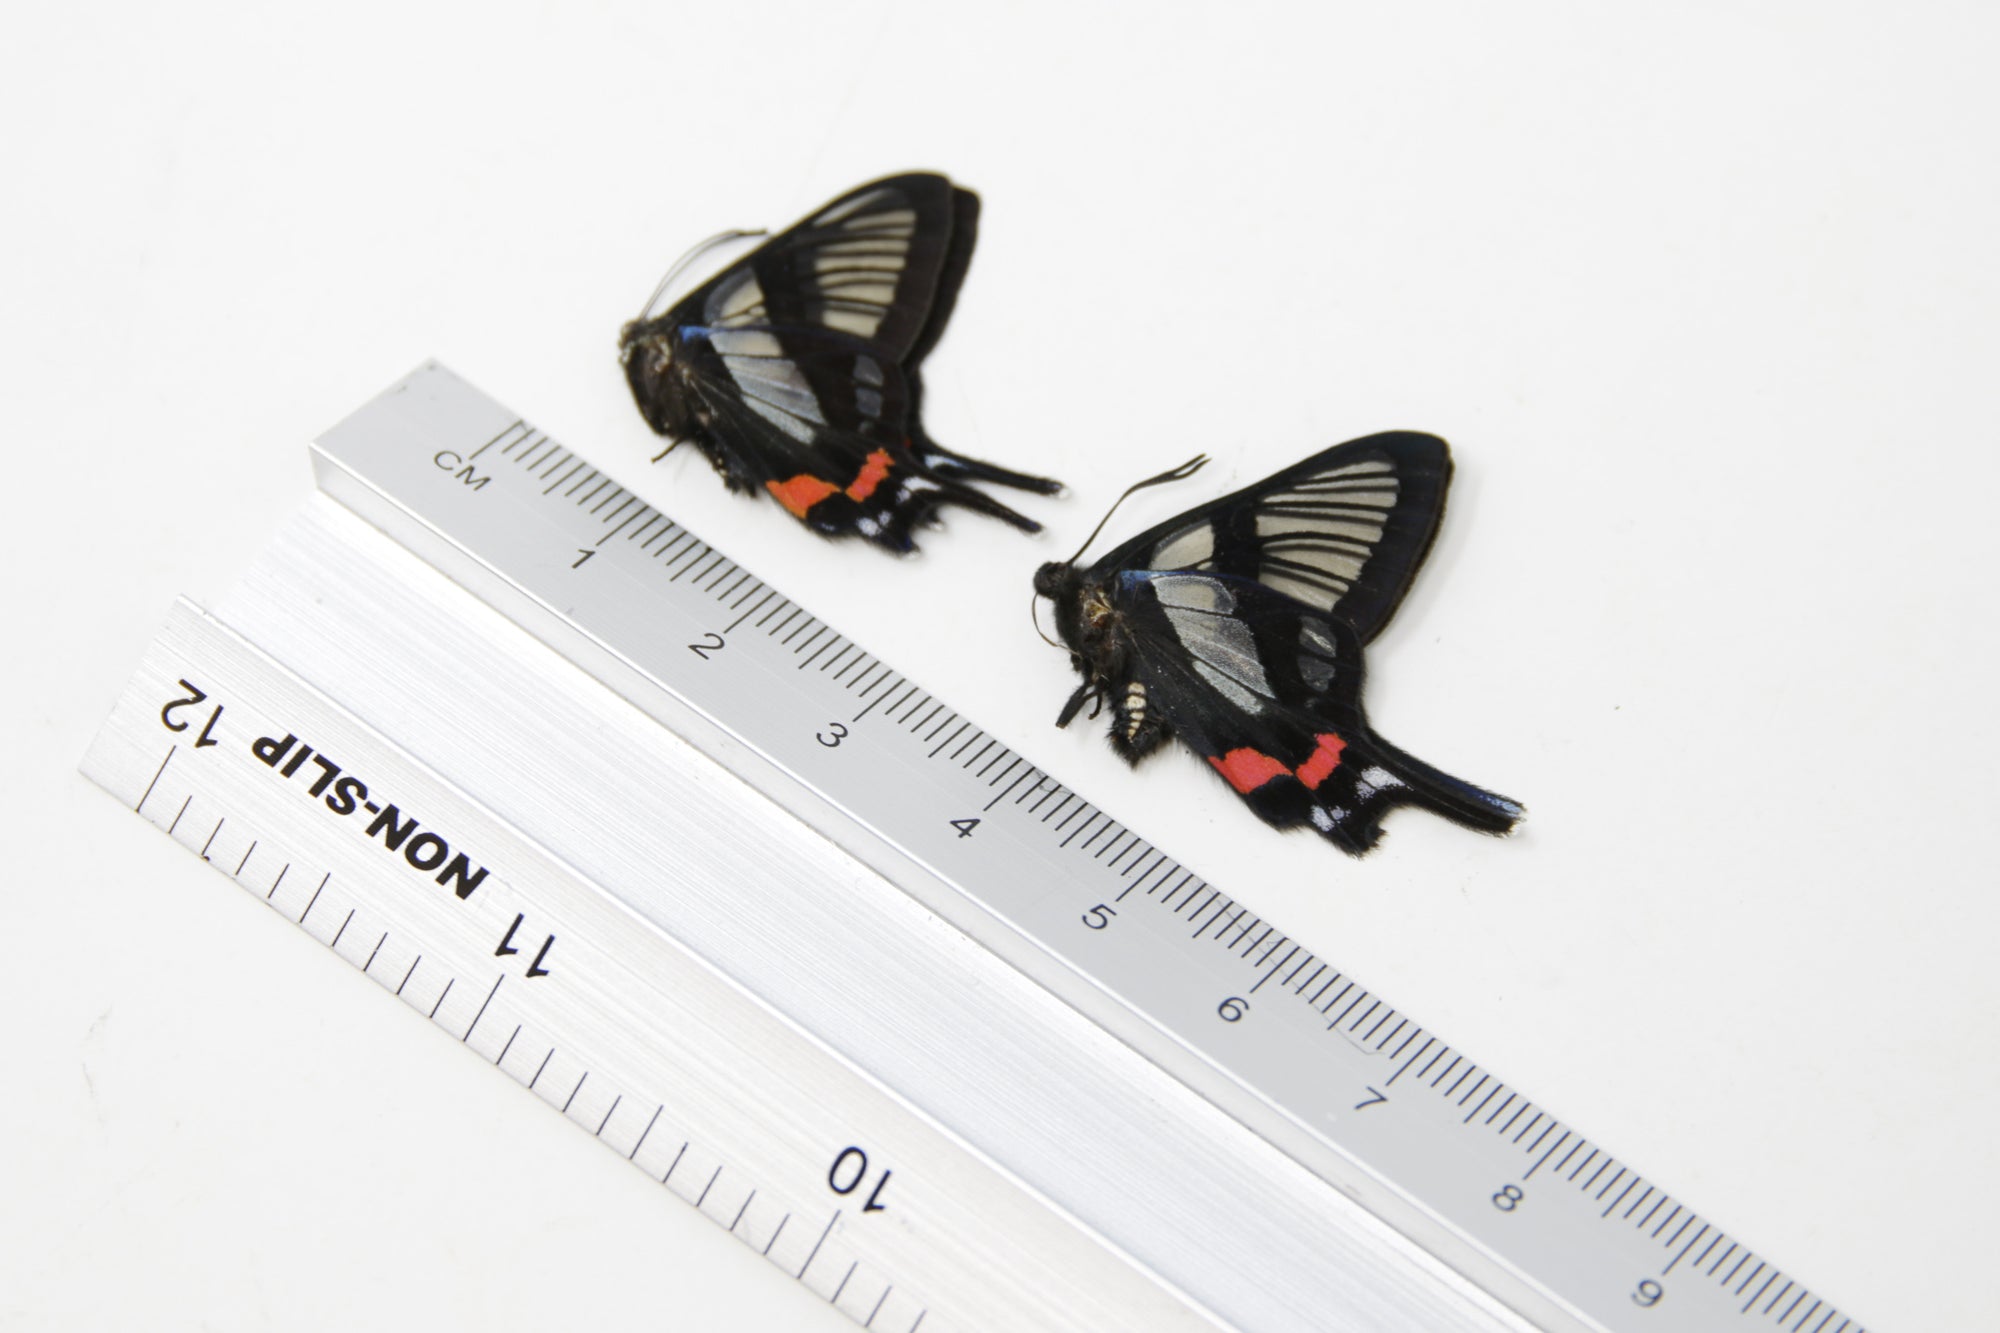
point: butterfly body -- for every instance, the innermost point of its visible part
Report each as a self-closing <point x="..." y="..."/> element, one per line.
<point x="795" y="370"/>
<point x="1239" y="628"/>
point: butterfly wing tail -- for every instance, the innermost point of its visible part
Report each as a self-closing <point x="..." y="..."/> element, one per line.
<point x="931" y="491"/>
<point x="944" y="463"/>
<point x="1379" y="778"/>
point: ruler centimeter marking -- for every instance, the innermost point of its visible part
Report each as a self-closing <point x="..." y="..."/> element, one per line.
<point x="520" y="960"/>
<point x="1527" y="1204"/>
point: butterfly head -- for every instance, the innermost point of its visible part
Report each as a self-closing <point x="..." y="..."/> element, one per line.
<point x="650" y="371"/>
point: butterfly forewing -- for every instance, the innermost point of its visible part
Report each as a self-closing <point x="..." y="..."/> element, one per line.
<point x="1344" y="532"/>
<point x="868" y="265"/>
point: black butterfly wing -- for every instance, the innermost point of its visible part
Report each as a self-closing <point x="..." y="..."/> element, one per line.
<point x="1344" y="531"/>
<point x="881" y="265"/>
<point x="796" y="368"/>
<point x="1268" y="692"/>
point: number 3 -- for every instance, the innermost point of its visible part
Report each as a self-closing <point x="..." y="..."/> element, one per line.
<point x="838" y="733"/>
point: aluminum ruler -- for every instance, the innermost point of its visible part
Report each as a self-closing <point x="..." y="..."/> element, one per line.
<point x="888" y="1002"/>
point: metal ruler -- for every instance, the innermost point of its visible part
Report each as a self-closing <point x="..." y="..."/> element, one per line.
<point x="1064" y="1151"/>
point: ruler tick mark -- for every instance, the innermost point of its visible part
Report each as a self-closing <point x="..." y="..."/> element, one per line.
<point x="440" y="999"/>
<point x="407" y="975"/>
<point x="747" y="614"/>
<point x="835" y="1298"/>
<point x="807" y="642"/>
<point x="703" y="1196"/>
<point x="315" y="898"/>
<point x="817" y="655"/>
<point x="870" y="1323"/>
<point x="482" y="1008"/>
<point x="947" y="741"/>
<point x="676" y="1162"/>
<point x="246" y="857"/>
<point x="1550" y="1153"/>
<point x="821" y="1241"/>
<point x="1273" y="972"/>
<point x="539" y="1069"/>
<point x="156" y="779"/>
<point x="1685" y="1224"/>
<point x="372" y="952"/>
<point x="335" y="943"/>
<point x="623" y="505"/>
<point x="276" y="882"/>
<point x="644" y="1132"/>
<point x="495" y="440"/>
<point x="1690" y="1245"/>
<point x="775" y="1234"/>
<point x="563" y="478"/>
<point x="211" y="836"/>
<point x="573" y="1091"/>
<point x="744" y="1209"/>
<point x="607" y="1115"/>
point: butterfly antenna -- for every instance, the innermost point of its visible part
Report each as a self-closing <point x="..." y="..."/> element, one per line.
<point x="680" y="265"/>
<point x="1181" y="473"/>
<point x="1034" y="608"/>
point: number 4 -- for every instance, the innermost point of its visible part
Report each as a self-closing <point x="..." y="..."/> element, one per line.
<point x="965" y="826"/>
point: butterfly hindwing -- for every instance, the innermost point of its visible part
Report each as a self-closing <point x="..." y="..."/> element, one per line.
<point x="796" y="369"/>
<point x="1268" y="692"/>
<point x="1344" y="531"/>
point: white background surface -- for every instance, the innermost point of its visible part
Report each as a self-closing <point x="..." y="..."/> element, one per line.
<point x="1704" y="301"/>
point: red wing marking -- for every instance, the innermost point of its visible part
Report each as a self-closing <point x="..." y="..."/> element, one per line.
<point x="1246" y="769"/>
<point x="872" y="472"/>
<point x="805" y="490"/>
<point x="1323" y="761"/>
<point x="801" y="492"/>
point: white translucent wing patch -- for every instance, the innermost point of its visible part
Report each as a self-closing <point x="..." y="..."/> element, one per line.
<point x="1316" y="535"/>
<point x="1316" y="656"/>
<point x="736" y="301"/>
<point x="1187" y="549"/>
<point x="771" y="383"/>
<point x="1221" y="647"/>
<point x="860" y="261"/>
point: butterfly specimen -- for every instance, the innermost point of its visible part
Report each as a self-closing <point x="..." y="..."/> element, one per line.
<point x="795" y="369"/>
<point x="1238" y="627"/>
